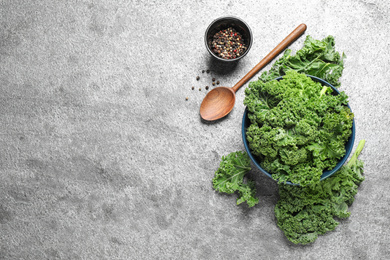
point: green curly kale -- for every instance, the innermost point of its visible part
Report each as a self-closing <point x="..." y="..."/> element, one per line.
<point x="298" y="128"/>
<point x="303" y="213"/>
<point x="317" y="58"/>
<point x="229" y="178"/>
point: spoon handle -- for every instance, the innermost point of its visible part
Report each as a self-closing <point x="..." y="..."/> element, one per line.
<point x="275" y="52"/>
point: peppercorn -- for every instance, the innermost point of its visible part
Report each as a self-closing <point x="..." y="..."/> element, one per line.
<point x="208" y="71"/>
<point x="213" y="79"/>
<point x="192" y="88"/>
<point x="213" y="83"/>
<point x="202" y="71"/>
<point x="200" y="89"/>
<point x="207" y="87"/>
<point x="197" y="77"/>
<point x="186" y="98"/>
<point x="218" y="82"/>
<point x="228" y="44"/>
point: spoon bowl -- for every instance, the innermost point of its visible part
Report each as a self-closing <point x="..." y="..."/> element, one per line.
<point x="220" y="101"/>
<point x="217" y="103"/>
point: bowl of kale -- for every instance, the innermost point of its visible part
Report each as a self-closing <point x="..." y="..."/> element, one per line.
<point x="297" y="129"/>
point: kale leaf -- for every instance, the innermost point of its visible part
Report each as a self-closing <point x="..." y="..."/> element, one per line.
<point x="317" y="58"/>
<point x="229" y="178"/>
<point x="298" y="128"/>
<point x="303" y="213"/>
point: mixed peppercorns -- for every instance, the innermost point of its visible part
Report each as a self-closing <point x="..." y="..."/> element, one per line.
<point x="228" y="44"/>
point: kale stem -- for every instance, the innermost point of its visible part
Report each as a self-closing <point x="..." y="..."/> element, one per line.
<point x="356" y="154"/>
<point x="244" y="168"/>
<point x="326" y="65"/>
<point x="323" y="91"/>
<point x="307" y="65"/>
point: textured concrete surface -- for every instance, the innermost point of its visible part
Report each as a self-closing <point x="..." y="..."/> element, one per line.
<point x="102" y="158"/>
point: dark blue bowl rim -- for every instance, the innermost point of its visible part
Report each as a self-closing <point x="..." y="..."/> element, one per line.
<point x="326" y="174"/>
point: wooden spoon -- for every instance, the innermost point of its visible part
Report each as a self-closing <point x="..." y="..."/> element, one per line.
<point x="220" y="101"/>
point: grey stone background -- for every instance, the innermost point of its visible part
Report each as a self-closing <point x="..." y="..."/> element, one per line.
<point x="101" y="157"/>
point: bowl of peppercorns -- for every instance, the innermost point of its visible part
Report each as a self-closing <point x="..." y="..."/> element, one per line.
<point x="228" y="38"/>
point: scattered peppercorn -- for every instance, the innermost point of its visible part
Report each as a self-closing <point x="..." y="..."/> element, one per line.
<point x="202" y="71"/>
<point x="218" y="82"/>
<point x="208" y="71"/>
<point x="200" y="89"/>
<point x="228" y="44"/>
<point x="213" y="79"/>
<point x="192" y="88"/>
<point x="213" y="83"/>
<point x="186" y="98"/>
<point x="197" y="78"/>
<point x="207" y="87"/>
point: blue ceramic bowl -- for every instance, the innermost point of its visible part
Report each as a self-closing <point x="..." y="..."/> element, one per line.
<point x="326" y="174"/>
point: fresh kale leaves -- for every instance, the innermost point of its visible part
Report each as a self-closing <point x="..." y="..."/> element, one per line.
<point x="298" y="128"/>
<point x="229" y="178"/>
<point x="317" y="58"/>
<point x="303" y="213"/>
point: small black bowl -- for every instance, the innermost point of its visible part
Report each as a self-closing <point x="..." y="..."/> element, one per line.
<point x="224" y="23"/>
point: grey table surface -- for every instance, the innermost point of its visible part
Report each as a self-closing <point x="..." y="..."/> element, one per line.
<point x="103" y="158"/>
